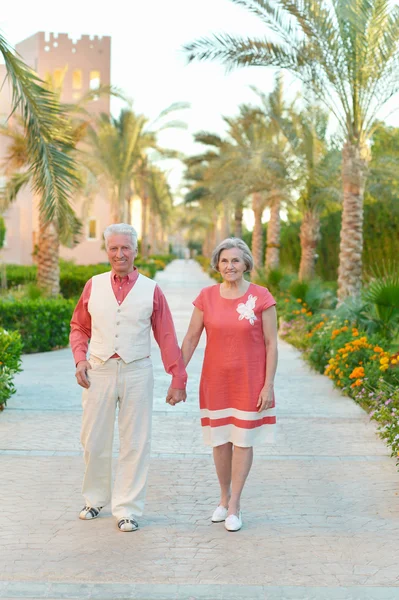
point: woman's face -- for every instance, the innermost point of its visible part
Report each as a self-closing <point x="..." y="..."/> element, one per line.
<point x="231" y="265"/>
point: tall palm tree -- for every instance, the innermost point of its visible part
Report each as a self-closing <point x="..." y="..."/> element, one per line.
<point x="317" y="175"/>
<point x="52" y="168"/>
<point x="347" y="52"/>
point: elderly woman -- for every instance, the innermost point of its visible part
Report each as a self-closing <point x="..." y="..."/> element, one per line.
<point x="236" y="389"/>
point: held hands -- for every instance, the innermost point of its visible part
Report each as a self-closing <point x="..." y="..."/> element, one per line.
<point x="266" y="398"/>
<point x="174" y="396"/>
<point x="81" y="373"/>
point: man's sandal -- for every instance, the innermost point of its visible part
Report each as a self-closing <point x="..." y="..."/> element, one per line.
<point x="89" y="512"/>
<point x="128" y="525"/>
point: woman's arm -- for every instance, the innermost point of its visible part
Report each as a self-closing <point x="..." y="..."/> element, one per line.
<point x="193" y="335"/>
<point x="269" y="325"/>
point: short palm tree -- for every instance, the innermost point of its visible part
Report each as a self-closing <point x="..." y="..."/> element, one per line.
<point x="347" y="52"/>
<point x="53" y="231"/>
<point x="120" y="149"/>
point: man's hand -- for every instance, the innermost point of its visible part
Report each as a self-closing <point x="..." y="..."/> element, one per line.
<point x="81" y="373"/>
<point x="175" y="396"/>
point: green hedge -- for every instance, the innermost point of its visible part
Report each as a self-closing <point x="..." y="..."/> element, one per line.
<point x="10" y="363"/>
<point x="43" y="324"/>
<point x="73" y="277"/>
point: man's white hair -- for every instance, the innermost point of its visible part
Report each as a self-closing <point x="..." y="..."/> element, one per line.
<point x="121" y="229"/>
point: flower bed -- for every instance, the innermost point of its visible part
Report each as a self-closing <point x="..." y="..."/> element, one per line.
<point x="363" y="366"/>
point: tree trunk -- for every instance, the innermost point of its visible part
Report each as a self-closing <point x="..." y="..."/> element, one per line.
<point x="355" y="159"/>
<point x="144" y="225"/>
<point x="309" y="236"/>
<point x="238" y="216"/>
<point x="272" y="257"/>
<point x="225" y="228"/>
<point x="257" y="235"/>
<point x="155" y="227"/>
<point x="48" y="268"/>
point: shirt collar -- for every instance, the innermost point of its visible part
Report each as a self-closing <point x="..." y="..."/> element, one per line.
<point x="130" y="277"/>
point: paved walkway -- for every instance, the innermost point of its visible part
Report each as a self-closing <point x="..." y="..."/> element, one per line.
<point x="320" y="507"/>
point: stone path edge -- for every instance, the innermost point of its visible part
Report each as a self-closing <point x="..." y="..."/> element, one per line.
<point x="114" y="591"/>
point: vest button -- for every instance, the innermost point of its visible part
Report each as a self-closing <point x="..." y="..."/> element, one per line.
<point x="117" y="322"/>
<point x="116" y="347"/>
<point x="116" y="335"/>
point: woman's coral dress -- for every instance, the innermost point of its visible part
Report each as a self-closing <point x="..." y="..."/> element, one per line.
<point x="234" y="368"/>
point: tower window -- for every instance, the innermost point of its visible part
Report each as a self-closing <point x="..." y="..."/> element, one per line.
<point x="94" y="80"/>
<point x="58" y="76"/>
<point x="92" y="235"/>
<point x="77" y="79"/>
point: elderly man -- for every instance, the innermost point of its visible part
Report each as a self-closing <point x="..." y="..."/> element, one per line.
<point x="116" y="311"/>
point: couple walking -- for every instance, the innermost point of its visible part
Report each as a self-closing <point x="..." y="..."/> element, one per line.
<point x="116" y="312"/>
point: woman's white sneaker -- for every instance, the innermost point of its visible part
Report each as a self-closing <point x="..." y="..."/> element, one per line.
<point x="233" y="523"/>
<point x="219" y="515"/>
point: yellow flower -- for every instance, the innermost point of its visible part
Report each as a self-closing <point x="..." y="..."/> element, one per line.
<point x="303" y="310"/>
<point x="383" y="367"/>
<point x="377" y="349"/>
<point x="384" y="360"/>
<point x="298" y="300"/>
<point x="394" y="361"/>
<point x="345" y="355"/>
<point x="309" y="314"/>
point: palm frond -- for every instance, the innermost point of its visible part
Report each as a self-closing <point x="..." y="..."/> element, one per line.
<point x="53" y="169"/>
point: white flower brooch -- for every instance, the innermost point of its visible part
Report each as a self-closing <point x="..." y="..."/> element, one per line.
<point x="247" y="310"/>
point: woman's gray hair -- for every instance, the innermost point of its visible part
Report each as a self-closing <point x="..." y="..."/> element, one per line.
<point x="121" y="229"/>
<point x="229" y="243"/>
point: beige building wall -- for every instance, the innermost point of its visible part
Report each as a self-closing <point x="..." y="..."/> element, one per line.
<point x="81" y="65"/>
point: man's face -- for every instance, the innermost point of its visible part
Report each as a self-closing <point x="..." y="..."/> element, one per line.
<point x="121" y="253"/>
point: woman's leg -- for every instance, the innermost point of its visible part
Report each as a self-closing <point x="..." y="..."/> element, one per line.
<point x="222" y="456"/>
<point x="241" y="465"/>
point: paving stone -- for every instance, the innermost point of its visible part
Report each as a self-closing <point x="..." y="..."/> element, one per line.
<point x="320" y="508"/>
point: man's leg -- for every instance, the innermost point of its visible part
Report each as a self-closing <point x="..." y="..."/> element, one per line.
<point x="99" y="406"/>
<point x="135" y="388"/>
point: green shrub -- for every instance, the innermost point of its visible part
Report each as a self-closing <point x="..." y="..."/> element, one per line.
<point x="165" y="258"/>
<point x="43" y="323"/>
<point x="10" y="363"/>
<point x="73" y="277"/>
<point x="20" y="275"/>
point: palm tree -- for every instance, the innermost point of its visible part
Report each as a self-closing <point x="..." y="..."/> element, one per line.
<point x="317" y="176"/>
<point x="120" y="158"/>
<point x="347" y="52"/>
<point x="52" y="168"/>
<point x="52" y="232"/>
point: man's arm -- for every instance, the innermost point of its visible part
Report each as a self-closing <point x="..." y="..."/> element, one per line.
<point x="165" y="336"/>
<point x="80" y="335"/>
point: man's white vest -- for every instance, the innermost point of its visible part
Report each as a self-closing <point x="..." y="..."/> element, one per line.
<point x="123" y="329"/>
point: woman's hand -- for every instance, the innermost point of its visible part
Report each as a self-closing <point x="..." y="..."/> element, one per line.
<point x="266" y="398"/>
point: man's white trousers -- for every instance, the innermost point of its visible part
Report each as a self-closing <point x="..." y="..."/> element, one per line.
<point x="131" y="385"/>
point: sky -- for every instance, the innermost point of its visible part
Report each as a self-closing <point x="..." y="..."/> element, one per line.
<point x="147" y="60"/>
